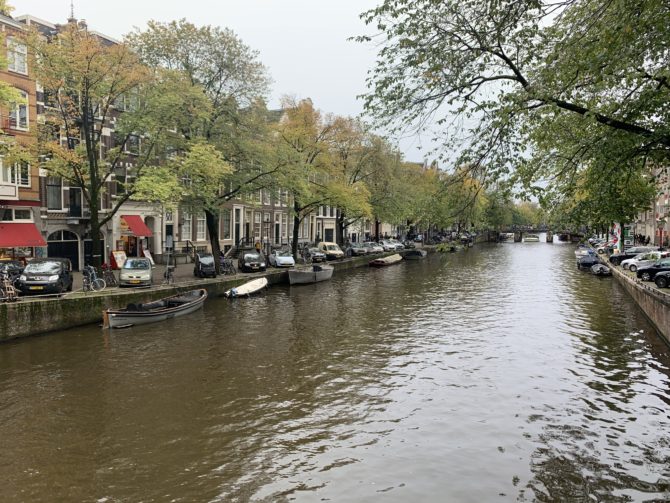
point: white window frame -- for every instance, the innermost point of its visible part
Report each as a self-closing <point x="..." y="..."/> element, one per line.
<point x="15" y="113"/>
<point x="186" y="226"/>
<point x="17" y="56"/>
<point x="201" y="227"/>
<point x="10" y="175"/>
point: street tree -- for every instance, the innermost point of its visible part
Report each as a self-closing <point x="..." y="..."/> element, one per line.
<point x="85" y="78"/>
<point x="229" y="74"/>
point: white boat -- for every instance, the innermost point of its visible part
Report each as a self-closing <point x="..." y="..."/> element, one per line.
<point x="247" y="289"/>
<point x="158" y="310"/>
<point x="384" y="261"/>
<point x="531" y="238"/>
<point x="314" y="274"/>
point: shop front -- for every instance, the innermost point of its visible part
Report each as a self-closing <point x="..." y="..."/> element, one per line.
<point x="133" y="238"/>
<point x="21" y="241"/>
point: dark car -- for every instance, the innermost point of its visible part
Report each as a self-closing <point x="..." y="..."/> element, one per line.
<point x="251" y="261"/>
<point x="204" y="265"/>
<point x="46" y="275"/>
<point x="12" y="268"/>
<point x="630" y="253"/>
<point x="649" y="272"/>
<point x="662" y="279"/>
<point x="316" y="255"/>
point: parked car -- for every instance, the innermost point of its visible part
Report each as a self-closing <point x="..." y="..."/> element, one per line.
<point x="606" y="247"/>
<point x="332" y="250"/>
<point x="662" y="279"/>
<point x="281" y="258"/>
<point x="13" y="268"/>
<point x="251" y="261"/>
<point x="648" y="273"/>
<point x="617" y="258"/>
<point x="389" y="245"/>
<point x="373" y="247"/>
<point x="315" y="255"/>
<point x="136" y="271"/>
<point x="356" y="250"/>
<point x="204" y="265"/>
<point x="641" y="260"/>
<point x="46" y="275"/>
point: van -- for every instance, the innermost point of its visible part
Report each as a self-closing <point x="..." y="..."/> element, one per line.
<point x="331" y="250"/>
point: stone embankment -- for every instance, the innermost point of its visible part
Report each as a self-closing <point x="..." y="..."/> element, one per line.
<point x="38" y="316"/>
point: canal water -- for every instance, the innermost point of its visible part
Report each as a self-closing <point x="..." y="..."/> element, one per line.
<point x="501" y="373"/>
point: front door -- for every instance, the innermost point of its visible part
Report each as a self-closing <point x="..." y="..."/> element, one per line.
<point x="328" y="233"/>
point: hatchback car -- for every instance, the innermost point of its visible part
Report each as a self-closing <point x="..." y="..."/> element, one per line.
<point x="641" y="260"/>
<point x="46" y="275"/>
<point x="204" y="265"/>
<point x="251" y="261"/>
<point x="373" y="247"/>
<point x="332" y="250"/>
<point x="356" y="250"/>
<point x="281" y="258"/>
<point x="136" y="272"/>
<point x="315" y="255"/>
<point x="662" y="279"/>
<point x="648" y="273"/>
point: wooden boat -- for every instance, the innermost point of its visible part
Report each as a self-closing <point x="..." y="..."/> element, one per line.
<point x="384" y="261"/>
<point x="531" y="238"/>
<point x="415" y="254"/>
<point x="248" y="288"/>
<point x="314" y="274"/>
<point x="158" y="310"/>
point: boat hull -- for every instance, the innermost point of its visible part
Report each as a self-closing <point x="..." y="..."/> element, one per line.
<point x="386" y="261"/>
<point x="248" y="288"/>
<point x="142" y="314"/>
<point x="415" y="254"/>
<point x="313" y="275"/>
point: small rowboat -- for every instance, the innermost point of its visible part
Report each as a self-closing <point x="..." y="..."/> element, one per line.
<point x="158" y="310"/>
<point x="247" y="289"/>
<point x="314" y="274"/>
<point x="384" y="261"/>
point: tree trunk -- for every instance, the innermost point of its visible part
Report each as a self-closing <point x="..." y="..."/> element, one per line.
<point x="339" y="228"/>
<point x="296" y="228"/>
<point x="213" y="229"/>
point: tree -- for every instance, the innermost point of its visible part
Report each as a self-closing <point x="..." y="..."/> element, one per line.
<point x="228" y="73"/>
<point x="86" y="77"/>
<point x="508" y="79"/>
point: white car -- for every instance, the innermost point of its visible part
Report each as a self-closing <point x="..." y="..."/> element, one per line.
<point x="391" y="245"/>
<point x="281" y="258"/>
<point x="641" y="260"/>
<point x="136" y="272"/>
<point x="373" y="247"/>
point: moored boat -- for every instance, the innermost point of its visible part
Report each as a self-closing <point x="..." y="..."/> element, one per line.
<point x="531" y="238"/>
<point x="600" y="270"/>
<point x="384" y="261"/>
<point x="158" y="310"/>
<point x="415" y="254"/>
<point x="314" y="274"/>
<point x="248" y="288"/>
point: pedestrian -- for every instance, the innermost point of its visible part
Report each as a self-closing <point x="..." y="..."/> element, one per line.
<point x="647" y="241"/>
<point x="258" y="246"/>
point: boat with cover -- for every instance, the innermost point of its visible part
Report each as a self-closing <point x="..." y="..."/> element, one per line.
<point x="600" y="270"/>
<point x="415" y="254"/>
<point x="158" y="310"/>
<point x="314" y="274"/>
<point x="247" y="289"/>
<point x="384" y="261"/>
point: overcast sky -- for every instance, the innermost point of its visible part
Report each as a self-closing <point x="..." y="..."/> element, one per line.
<point x="303" y="43"/>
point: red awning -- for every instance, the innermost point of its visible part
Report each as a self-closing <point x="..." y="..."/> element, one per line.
<point x="13" y="235"/>
<point x="137" y="226"/>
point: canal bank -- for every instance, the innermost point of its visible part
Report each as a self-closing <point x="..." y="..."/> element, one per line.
<point x="29" y="317"/>
<point x="653" y="302"/>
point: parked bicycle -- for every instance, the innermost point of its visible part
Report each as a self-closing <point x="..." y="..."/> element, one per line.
<point x="108" y="275"/>
<point x="168" y="275"/>
<point x="227" y="266"/>
<point x="91" y="282"/>
<point x="7" y="291"/>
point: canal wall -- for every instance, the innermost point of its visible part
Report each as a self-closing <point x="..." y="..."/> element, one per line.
<point x="654" y="302"/>
<point x="39" y="316"/>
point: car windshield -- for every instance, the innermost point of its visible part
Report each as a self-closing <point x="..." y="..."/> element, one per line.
<point x="251" y="256"/>
<point x="136" y="264"/>
<point x="284" y="253"/>
<point x="43" y="267"/>
<point x="207" y="259"/>
<point x="314" y="250"/>
<point x="332" y="247"/>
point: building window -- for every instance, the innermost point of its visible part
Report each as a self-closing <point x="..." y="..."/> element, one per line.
<point x="54" y="193"/>
<point x="22" y="215"/>
<point x="257" y="225"/>
<point x="18" y="113"/>
<point x="17" y="56"/>
<point x="9" y="215"/>
<point x="168" y="216"/>
<point x="226" y="224"/>
<point x="186" y="231"/>
<point x="305" y="228"/>
<point x="201" y="227"/>
<point x="17" y="174"/>
<point x="266" y="197"/>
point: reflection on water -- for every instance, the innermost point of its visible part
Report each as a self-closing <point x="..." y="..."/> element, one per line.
<point x="501" y="373"/>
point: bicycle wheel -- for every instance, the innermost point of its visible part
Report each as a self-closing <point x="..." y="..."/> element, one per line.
<point x="98" y="284"/>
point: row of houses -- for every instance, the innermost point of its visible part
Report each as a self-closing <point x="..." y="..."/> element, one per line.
<point x="40" y="215"/>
